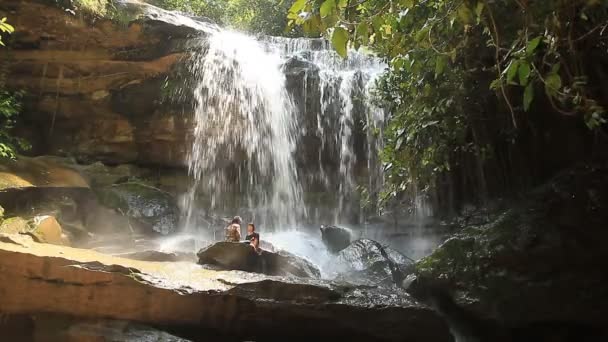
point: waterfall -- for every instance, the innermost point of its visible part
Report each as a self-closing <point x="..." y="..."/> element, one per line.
<point x="344" y="92"/>
<point x="254" y="133"/>
<point x="244" y="138"/>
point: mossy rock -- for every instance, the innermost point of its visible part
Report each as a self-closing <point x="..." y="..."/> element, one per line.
<point x="43" y="229"/>
<point x="146" y="204"/>
<point x="541" y="260"/>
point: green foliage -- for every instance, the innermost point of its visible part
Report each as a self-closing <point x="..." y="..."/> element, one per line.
<point x="10" y="107"/>
<point x="5" y="28"/>
<point x="254" y="16"/>
<point x="444" y="54"/>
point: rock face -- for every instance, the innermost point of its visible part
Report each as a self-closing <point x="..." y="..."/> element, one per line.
<point x="38" y="172"/>
<point x="240" y="256"/>
<point x="369" y="262"/>
<point x="99" y="90"/>
<point x="148" y="205"/>
<point x="191" y="301"/>
<point x="335" y="238"/>
<point x="533" y="272"/>
<point x="31" y="188"/>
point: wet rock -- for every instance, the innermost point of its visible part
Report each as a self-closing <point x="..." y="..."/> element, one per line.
<point x="336" y="238"/>
<point x="191" y="301"/>
<point x="143" y="203"/>
<point x="532" y="268"/>
<point x="370" y="262"/>
<point x="157" y="256"/>
<point x="240" y="256"/>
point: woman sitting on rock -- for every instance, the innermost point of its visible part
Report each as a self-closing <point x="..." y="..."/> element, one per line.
<point x="233" y="231"/>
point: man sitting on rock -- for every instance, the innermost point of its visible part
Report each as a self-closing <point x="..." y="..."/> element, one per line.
<point x="253" y="237"/>
<point x="233" y="231"/>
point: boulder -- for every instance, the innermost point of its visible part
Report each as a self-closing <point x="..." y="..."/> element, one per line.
<point x="531" y="271"/>
<point x="240" y="256"/>
<point x="44" y="229"/>
<point x="191" y="301"/>
<point x="143" y="203"/>
<point x="370" y="262"/>
<point x="335" y="238"/>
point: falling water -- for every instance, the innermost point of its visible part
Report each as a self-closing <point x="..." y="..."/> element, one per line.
<point x="249" y="129"/>
<point x="345" y="95"/>
<point x="244" y="138"/>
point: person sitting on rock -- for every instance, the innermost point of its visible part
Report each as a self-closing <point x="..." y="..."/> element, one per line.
<point x="255" y="243"/>
<point x="233" y="231"/>
<point x="253" y="237"/>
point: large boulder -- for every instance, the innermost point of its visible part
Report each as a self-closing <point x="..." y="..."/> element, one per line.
<point x="335" y="238"/>
<point x="533" y="271"/>
<point x="143" y="203"/>
<point x="198" y="303"/>
<point x="43" y="229"/>
<point x="240" y="256"/>
<point x="370" y="262"/>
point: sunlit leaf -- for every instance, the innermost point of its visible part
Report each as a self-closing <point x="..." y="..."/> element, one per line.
<point x="327" y="8"/>
<point x="339" y="40"/>
<point x="553" y="83"/>
<point x="440" y="63"/>
<point x="362" y="32"/>
<point x="532" y="45"/>
<point x="298" y="6"/>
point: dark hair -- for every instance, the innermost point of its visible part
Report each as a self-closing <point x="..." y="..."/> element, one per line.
<point x="236" y="220"/>
<point x="251" y="224"/>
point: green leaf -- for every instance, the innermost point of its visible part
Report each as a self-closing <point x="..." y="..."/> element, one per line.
<point x="495" y="84"/>
<point x="553" y="83"/>
<point x="339" y="40"/>
<point x="298" y="6"/>
<point x="327" y="8"/>
<point x="512" y="70"/>
<point x="479" y="10"/>
<point x="408" y="3"/>
<point x="528" y="96"/>
<point x="377" y="23"/>
<point x="465" y="14"/>
<point x="440" y="63"/>
<point x="362" y="33"/>
<point x="524" y="73"/>
<point x="532" y="45"/>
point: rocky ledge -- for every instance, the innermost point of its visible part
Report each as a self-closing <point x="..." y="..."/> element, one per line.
<point x="532" y="271"/>
<point x="188" y="299"/>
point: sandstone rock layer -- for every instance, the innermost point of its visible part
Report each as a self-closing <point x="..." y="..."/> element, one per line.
<point x="38" y="278"/>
